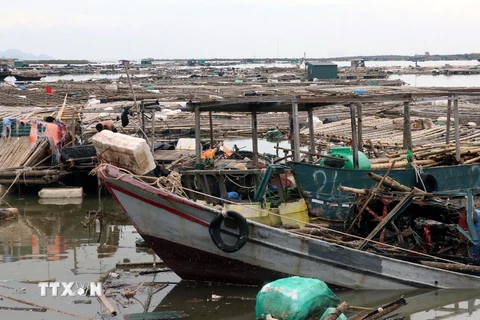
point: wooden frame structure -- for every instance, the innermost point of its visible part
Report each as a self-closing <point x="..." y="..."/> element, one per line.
<point x="255" y="105"/>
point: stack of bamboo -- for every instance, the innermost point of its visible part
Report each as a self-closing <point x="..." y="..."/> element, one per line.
<point x="431" y="156"/>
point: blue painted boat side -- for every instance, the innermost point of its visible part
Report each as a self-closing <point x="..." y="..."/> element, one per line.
<point x="318" y="185"/>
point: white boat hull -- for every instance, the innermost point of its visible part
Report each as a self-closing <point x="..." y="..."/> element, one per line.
<point x="177" y="230"/>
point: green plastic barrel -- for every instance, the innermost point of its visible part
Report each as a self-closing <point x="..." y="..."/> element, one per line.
<point x="346" y="153"/>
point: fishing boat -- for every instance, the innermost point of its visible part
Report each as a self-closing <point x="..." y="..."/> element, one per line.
<point x="26" y="76"/>
<point x="191" y="239"/>
<point x="199" y="242"/>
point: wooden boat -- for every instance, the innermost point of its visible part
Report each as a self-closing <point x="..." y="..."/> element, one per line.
<point x="4" y="74"/>
<point x="318" y="185"/>
<point x="179" y="231"/>
<point x="26" y="76"/>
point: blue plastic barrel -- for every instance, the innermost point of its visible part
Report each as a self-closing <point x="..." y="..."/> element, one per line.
<point x="360" y="91"/>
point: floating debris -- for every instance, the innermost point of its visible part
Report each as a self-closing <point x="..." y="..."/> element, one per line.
<point x="157" y="315"/>
<point x="82" y="301"/>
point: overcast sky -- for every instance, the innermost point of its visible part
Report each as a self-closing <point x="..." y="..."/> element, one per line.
<point x="107" y="29"/>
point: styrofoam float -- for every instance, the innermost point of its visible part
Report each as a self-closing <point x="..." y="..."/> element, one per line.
<point x="120" y="150"/>
<point x="61" y="193"/>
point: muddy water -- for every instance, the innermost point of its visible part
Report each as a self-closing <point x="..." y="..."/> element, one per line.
<point x="49" y="241"/>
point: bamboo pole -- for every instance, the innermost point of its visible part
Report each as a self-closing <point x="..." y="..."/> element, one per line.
<point x="198" y="142"/>
<point x="389" y="182"/>
<point x="360" y="125"/>
<point x="399" y="208"/>
<point x="407" y="127"/>
<point x="338" y="311"/>
<point x="457" y="139"/>
<point x="449" y="115"/>
<point x="111" y="310"/>
<point x="400" y="164"/>
<point x="210" y="121"/>
<point x="452" y="267"/>
<point x="60" y="113"/>
<point x="472" y="160"/>
<point x="311" y="135"/>
<point x="153" y="133"/>
<point x="354" y="136"/>
<point x="255" y="138"/>
<point x="370" y="143"/>
<point x="353" y="190"/>
<point x="296" y="133"/>
<point x="370" y="197"/>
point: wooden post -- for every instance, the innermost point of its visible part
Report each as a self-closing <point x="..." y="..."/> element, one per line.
<point x="60" y="112"/>
<point x="470" y="215"/>
<point x="198" y="142"/>
<point x="125" y="64"/>
<point x="360" y="126"/>
<point x="222" y="185"/>
<point x="457" y="139"/>
<point x="281" y="191"/>
<point x="255" y="138"/>
<point x="354" y="136"/>
<point x="153" y="132"/>
<point x="449" y="116"/>
<point x="104" y="301"/>
<point x="211" y="128"/>
<point x="407" y="127"/>
<point x="99" y="193"/>
<point x="296" y="134"/>
<point x="73" y="126"/>
<point x="142" y="108"/>
<point x="311" y="132"/>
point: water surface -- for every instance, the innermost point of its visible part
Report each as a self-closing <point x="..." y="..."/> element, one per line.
<point x="428" y="80"/>
<point x="49" y="241"/>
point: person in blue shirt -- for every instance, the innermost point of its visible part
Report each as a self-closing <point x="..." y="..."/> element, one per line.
<point x="7" y="126"/>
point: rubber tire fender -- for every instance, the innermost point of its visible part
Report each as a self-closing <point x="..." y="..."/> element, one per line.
<point x="214" y="230"/>
<point x="429" y="181"/>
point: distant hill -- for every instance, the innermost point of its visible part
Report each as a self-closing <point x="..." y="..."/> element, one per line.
<point x="17" y="54"/>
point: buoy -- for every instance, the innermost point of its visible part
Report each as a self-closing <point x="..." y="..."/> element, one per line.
<point x="61" y="193"/>
<point x="8" y="213"/>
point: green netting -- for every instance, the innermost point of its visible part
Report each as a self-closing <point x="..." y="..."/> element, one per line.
<point x="23" y="130"/>
<point x="294" y="298"/>
<point x="330" y="310"/>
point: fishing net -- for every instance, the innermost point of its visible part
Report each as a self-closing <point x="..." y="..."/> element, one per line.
<point x="294" y="298"/>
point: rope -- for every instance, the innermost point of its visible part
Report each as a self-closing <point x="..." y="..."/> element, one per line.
<point x="238" y="185"/>
<point x="418" y="172"/>
<point x="171" y="183"/>
<point x="19" y="173"/>
<point x="224" y="212"/>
